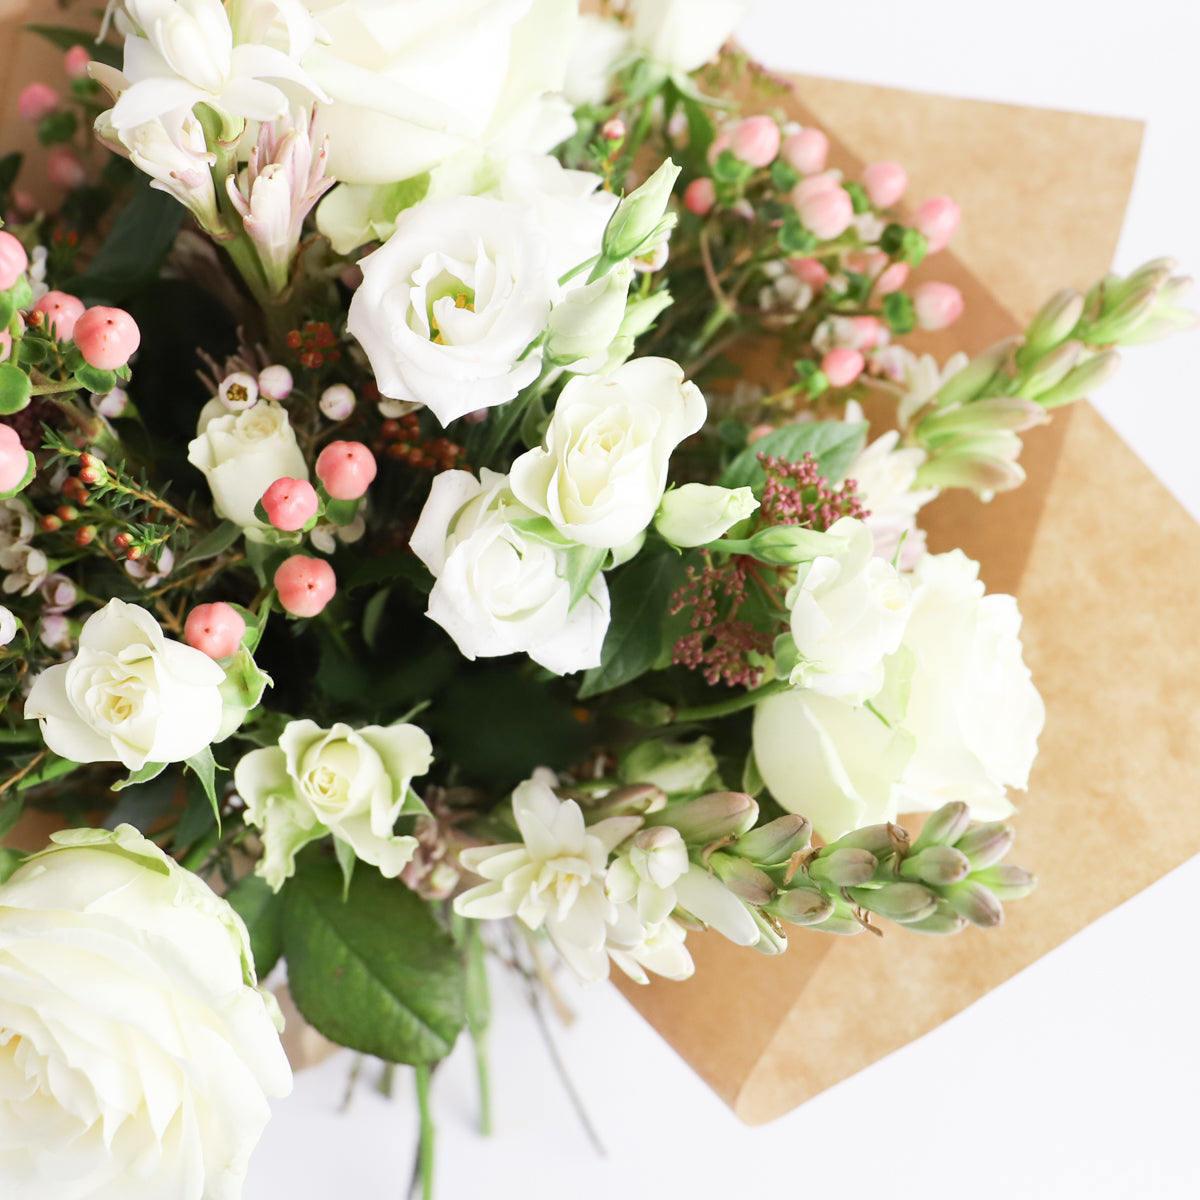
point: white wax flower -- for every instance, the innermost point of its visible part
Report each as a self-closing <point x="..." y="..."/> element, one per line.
<point x="698" y="513"/>
<point x="683" y="35"/>
<point x="241" y="454"/>
<point x="414" y="83"/>
<point x="136" y="1054"/>
<point x="554" y="879"/>
<point x="602" y="469"/>
<point x="450" y="303"/>
<point x="499" y="591"/>
<point x="25" y="568"/>
<point x="8" y="625"/>
<point x="848" y="612"/>
<point x="130" y="695"/>
<point x="600" y="44"/>
<point x="353" y="783"/>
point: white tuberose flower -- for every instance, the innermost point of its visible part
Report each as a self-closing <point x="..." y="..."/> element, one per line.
<point x="129" y="695"/>
<point x="555" y="878"/>
<point x="136" y="1055"/>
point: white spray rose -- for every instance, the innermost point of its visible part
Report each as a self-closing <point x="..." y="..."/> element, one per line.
<point x="698" y="513"/>
<point x="129" y="695"/>
<point x="602" y="471"/>
<point x="242" y="454"/>
<point x="499" y="591"/>
<point x="136" y="1054"/>
<point x="353" y="783"/>
<point x="683" y="35"/>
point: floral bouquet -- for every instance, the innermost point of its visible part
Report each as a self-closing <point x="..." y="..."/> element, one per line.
<point x="438" y="491"/>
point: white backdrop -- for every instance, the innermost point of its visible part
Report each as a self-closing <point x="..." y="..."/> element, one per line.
<point x="1076" y="1078"/>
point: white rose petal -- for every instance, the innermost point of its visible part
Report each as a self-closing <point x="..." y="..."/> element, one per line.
<point x="683" y="35"/>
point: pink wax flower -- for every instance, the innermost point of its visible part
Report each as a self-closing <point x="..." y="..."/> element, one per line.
<point x="825" y="208"/>
<point x="884" y="183"/>
<point x="64" y="169"/>
<point x="36" y="101"/>
<point x="337" y="402"/>
<point x="75" y="62"/>
<point x="275" y="382"/>
<point x="346" y="469"/>
<point x="214" y="629"/>
<point x="937" y="305"/>
<point x="106" y="337"/>
<point x="290" y="503"/>
<point x="305" y="585"/>
<point x="700" y="195"/>
<point x="937" y="219"/>
<point x="892" y="280"/>
<point x="810" y="271"/>
<point x="756" y="140"/>
<point x="13" y="260"/>
<point x="842" y="366"/>
<point x="14" y="459"/>
<point x="61" y="310"/>
<point x="806" y="151"/>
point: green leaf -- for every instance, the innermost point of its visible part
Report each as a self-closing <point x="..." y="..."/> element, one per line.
<point x="205" y="768"/>
<point x="96" y="380"/>
<point x="142" y="804"/>
<point x="52" y="767"/>
<point x="372" y="618"/>
<point x="10" y="860"/>
<point x="858" y="197"/>
<point x="210" y="545"/>
<point x="374" y="972"/>
<point x="638" y="631"/>
<point x="15" y="389"/>
<point x="898" y="313"/>
<point x="344" y="852"/>
<point x="262" y="911"/>
<point x="11" y="808"/>
<point x="143" y="774"/>
<point x="64" y="39"/>
<point x="10" y="168"/>
<point x="784" y="176"/>
<point x="834" y="444"/>
<point x="582" y="566"/>
<point x="198" y="817"/>
<point x="57" y="127"/>
<point x="794" y="238"/>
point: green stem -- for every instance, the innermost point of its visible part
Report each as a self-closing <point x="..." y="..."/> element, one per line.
<point x="424" y="1074"/>
<point x="478" y="1017"/>
<point x="736" y="704"/>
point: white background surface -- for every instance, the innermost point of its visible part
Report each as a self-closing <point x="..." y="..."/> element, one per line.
<point x="1077" y="1078"/>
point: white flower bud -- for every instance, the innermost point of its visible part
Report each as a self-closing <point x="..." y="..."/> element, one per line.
<point x="698" y="513"/>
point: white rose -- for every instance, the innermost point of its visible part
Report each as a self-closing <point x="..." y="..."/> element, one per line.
<point x="242" y="454"/>
<point x="698" y="513"/>
<point x="603" y="468"/>
<point x="600" y="44"/>
<point x="136" y="1054"/>
<point x="353" y="783"/>
<point x="129" y="695"/>
<point x="450" y="303"/>
<point x="414" y="83"/>
<point x="499" y="591"/>
<point x="848" y="612"/>
<point x="683" y="35"/>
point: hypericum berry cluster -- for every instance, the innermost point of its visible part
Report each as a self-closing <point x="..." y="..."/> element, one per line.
<point x="315" y="343"/>
<point x="796" y="493"/>
<point x="400" y="440"/>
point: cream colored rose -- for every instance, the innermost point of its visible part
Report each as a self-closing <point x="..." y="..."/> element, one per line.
<point x="682" y="35"/>
<point x="136" y="1054"/>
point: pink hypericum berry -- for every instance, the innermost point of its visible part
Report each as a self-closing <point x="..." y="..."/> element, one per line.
<point x="700" y="195"/>
<point x="842" y="366"/>
<point x="75" y="62"/>
<point x="290" y="503"/>
<point x="13" y="260"/>
<point x="106" y="337"/>
<point x="346" y="469"/>
<point x="937" y="219"/>
<point x="756" y="141"/>
<point x="14" y="461"/>
<point x="810" y="271"/>
<point x="806" y="150"/>
<point x="61" y="310"/>
<point x="214" y="629"/>
<point x="275" y="382"/>
<point x="613" y="130"/>
<point x="64" y="168"/>
<point x="37" y="101"/>
<point x="305" y="585"/>
<point x="884" y="183"/>
<point x="892" y="280"/>
<point x="937" y="305"/>
<point x="826" y="212"/>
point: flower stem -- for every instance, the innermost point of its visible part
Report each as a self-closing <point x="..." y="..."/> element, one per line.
<point x="736" y="704"/>
<point x="424" y="1074"/>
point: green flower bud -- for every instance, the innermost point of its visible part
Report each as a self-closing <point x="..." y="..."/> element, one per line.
<point x="1051" y="370"/>
<point x="845" y="926"/>
<point x="875" y="838"/>
<point x="775" y="842"/>
<point x="679" y="768"/>
<point x="975" y="378"/>
<point x="801" y="906"/>
<point x="944" y="827"/>
<point x="632" y="800"/>
<point x="1123" y="319"/>
<point x="1082" y="380"/>
<point x="987" y="844"/>
<point x="983" y="462"/>
<point x="997" y="412"/>
<point x="1007" y="882"/>
<point x="771" y="939"/>
<point x="787" y="545"/>
<point x="710" y="818"/>
<point x="1053" y="324"/>
<point x="1153" y="274"/>
<point x="641" y="221"/>
<point x="943" y="920"/>
<point x="645" y="712"/>
<point x="972" y="900"/>
<point x="698" y="513"/>
<point x="938" y="865"/>
<point x="585" y="323"/>
<point x="845" y="867"/>
<point x="743" y="879"/>
<point x="897" y="901"/>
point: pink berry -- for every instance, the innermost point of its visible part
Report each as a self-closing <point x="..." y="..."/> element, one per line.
<point x="275" y="382"/>
<point x="884" y="183"/>
<point x="290" y="503"/>
<point x="810" y="271"/>
<point x="14" y="459"/>
<point x="756" y="141"/>
<point x="346" y="469"/>
<point x="61" y="310"/>
<point x="64" y="169"/>
<point x="13" y="260"/>
<point x="937" y="305"/>
<point x="214" y="629"/>
<point x="806" y="151"/>
<point x="613" y="130"/>
<point x="937" y="219"/>
<point x="305" y="585"/>
<point x="37" y="101"/>
<point x="700" y="195"/>
<point x="75" y="62"/>
<point x="842" y="366"/>
<point x="892" y="279"/>
<point x="826" y="212"/>
<point x="106" y="337"/>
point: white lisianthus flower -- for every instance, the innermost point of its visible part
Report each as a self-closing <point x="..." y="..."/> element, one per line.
<point x="241" y="454"/>
<point x="554" y="879"/>
<point x="353" y="783"/>
<point x="451" y="301"/>
<point x="848" y="612"/>
<point x="602" y="470"/>
<point x="683" y="35"/>
<point x="413" y="84"/>
<point x="129" y="695"/>
<point x="136" y="1053"/>
<point x="499" y="591"/>
<point x="698" y="513"/>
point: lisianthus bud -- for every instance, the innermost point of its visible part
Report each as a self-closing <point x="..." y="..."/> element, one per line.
<point x="698" y="513"/>
<point x="710" y="818"/>
<point x="678" y="768"/>
<point x="806" y="150"/>
<point x="787" y="545"/>
<point x="215" y="629"/>
<point x="585" y="323"/>
<point x="641" y="220"/>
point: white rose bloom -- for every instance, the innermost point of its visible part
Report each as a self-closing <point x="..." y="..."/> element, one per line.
<point x="602" y="471"/>
<point x="450" y="303"/>
<point x="554" y="879"/>
<point x="129" y="695"/>
<point x="847" y="614"/>
<point x="136" y="1054"/>
<point x="600" y="44"/>
<point x="414" y="83"/>
<point x="353" y="783"/>
<point x="242" y="454"/>
<point x="683" y="35"/>
<point x="499" y="591"/>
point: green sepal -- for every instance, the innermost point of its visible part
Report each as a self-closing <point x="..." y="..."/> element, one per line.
<point x="144" y="773"/>
<point x="204" y="767"/>
<point x="210" y="545"/>
<point x="93" y="379"/>
<point x="344" y="852"/>
<point x="26" y="479"/>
